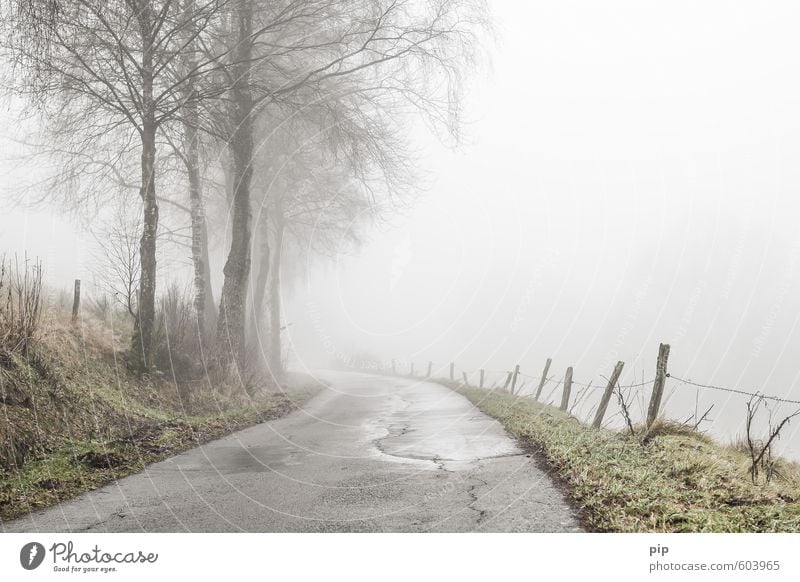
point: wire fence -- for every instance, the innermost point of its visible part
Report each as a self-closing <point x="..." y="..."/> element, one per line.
<point x="734" y="390"/>
<point x="557" y="382"/>
<point x="516" y="382"/>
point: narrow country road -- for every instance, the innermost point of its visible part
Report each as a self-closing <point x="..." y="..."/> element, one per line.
<point x="369" y="453"/>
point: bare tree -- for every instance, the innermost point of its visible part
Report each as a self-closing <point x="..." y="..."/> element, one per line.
<point x="140" y="69"/>
<point x="231" y="318"/>
<point x="118" y="254"/>
<point x="760" y="451"/>
<point x="286" y="52"/>
<point x="187" y="146"/>
<point x="310" y="203"/>
<point x="624" y="406"/>
<point x="118" y="58"/>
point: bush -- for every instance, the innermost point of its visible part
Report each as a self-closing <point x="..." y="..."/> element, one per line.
<point x="175" y="345"/>
<point x="20" y="305"/>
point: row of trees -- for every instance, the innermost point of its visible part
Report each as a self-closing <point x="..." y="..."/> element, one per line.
<point x="290" y="114"/>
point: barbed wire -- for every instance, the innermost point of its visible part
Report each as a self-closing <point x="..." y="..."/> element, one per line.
<point x="576" y="382"/>
<point x="639" y="385"/>
<point x="509" y="373"/>
<point x="734" y="390"/>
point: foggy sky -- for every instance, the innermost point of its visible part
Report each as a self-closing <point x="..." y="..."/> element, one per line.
<point x="629" y="176"/>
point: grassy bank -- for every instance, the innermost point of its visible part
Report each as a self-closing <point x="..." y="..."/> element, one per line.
<point x="72" y="418"/>
<point x="679" y="481"/>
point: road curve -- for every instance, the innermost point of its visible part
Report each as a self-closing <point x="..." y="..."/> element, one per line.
<point x="370" y="454"/>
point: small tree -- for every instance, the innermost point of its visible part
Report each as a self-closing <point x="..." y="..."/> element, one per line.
<point x="760" y="450"/>
<point x="118" y="256"/>
<point x="624" y="406"/>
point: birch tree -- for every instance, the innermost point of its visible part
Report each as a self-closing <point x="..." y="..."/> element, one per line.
<point x="117" y="58"/>
<point x="286" y="51"/>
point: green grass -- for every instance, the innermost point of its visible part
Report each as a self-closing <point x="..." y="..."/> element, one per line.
<point x="680" y="481"/>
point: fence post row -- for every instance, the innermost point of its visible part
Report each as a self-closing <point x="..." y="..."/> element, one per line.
<point x="658" y="384"/>
<point x="76" y="300"/>
<point x="601" y="408"/>
<point x="544" y="378"/>
<point x="512" y="378"/>
<point x="567" y="388"/>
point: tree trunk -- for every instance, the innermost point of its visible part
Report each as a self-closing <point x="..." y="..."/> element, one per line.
<point x="203" y="293"/>
<point x="260" y="284"/>
<point x="210" y="309"/>
<point x="233" y="302"/>
<point x="275" y="360"/>
<point x="141" y="342"/>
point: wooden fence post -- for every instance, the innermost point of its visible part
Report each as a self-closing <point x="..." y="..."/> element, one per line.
<point x="514" y="379"/>
<point x="544" y="378"/>
<point x="658" y="384"/>
<point x="76" y="301"/>
<point x="430" y="368"/>
<point x="567" y="388"/>
<point x="482" y="373"/>
<point x="464" y="375"/>
<point x="601" y="408"/>
<point x="508" y="381"/>
<point x="452" y="371"/>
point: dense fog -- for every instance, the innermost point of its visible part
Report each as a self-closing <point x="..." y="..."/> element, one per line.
<point x="626" y="175"/>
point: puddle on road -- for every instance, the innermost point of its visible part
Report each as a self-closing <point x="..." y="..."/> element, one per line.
<point x="432" y="427"/>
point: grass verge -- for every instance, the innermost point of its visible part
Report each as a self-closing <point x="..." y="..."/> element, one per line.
<point x="85" y="465"/>
<point x="72" y="418"/>
<point x="679" y="481"/>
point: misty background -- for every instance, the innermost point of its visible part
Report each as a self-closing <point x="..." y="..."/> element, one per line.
<point x="627" y="176"/>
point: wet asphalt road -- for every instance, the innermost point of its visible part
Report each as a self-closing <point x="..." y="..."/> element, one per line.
<point x="368" y="454"/>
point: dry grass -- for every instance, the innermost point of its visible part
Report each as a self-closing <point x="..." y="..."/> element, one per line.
<point x="72" y="417"/>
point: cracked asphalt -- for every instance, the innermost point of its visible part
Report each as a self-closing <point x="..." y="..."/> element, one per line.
<point x="369" y="454"/>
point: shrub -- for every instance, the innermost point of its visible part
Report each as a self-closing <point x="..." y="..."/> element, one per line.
<point x="175" y="345"/>
<point x="20" y="305"/>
